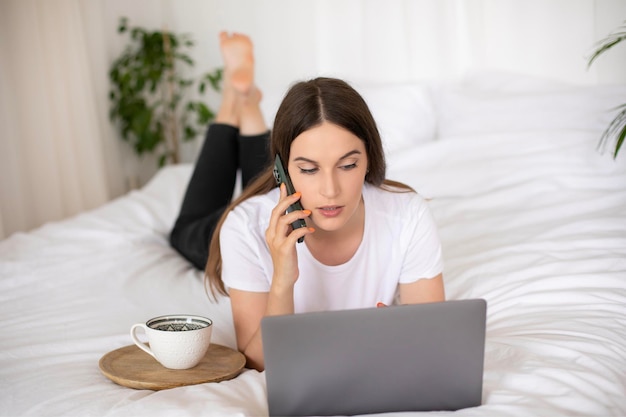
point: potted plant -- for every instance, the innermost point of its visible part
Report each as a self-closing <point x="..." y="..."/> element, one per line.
<point x="617" y="128"/>
<point x="150" y="101"/>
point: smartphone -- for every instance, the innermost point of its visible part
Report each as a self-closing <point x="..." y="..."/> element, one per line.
<point x="282" y="176"/>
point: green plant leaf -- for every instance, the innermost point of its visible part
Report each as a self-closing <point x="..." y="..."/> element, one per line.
<point x="190" y="133"/>
<point x="607" y="43"/>
<point x="204" y="113"/>
<point x="185" y="58"/>
<point x="617" y="129"/>
<point x="215" y="79"/>
<point x="114" y="74"/>
<point x="141" y="121"/>
<point x="173" y="40"/>
<point x="122" y="25"/>
<point x="620" y="141"/>
<point x="136" y="33"/>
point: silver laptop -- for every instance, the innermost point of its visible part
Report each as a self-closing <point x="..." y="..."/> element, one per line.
<point x="421" y="357"/>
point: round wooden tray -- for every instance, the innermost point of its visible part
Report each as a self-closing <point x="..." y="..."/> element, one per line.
<point x="132" y="367"/>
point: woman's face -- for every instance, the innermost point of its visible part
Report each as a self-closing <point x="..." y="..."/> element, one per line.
<point x="327" y="164"/>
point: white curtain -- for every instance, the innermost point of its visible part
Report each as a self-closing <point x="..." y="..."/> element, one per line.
<point x="51" y="149"/>
<point x="59" y="154"/>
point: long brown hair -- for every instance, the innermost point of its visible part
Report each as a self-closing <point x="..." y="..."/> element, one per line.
<point x="306" y="105"/>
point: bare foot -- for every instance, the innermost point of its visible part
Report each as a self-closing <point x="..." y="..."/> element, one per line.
<point x="238" y="61"/>
<point x="251" y="120"/>
<point x="253" y="96"/>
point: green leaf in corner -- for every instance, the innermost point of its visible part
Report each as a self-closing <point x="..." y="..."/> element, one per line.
<point x="617" y="129"/>
<point x="607" y="43"/>
<point x="620" y="141"/>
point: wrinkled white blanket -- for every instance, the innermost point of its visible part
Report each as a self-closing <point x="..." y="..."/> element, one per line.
<point x="532" y="219"/>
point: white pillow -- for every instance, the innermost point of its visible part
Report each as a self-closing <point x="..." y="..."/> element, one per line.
<point x="404" y="113"/>
<point x="494" y="103"/>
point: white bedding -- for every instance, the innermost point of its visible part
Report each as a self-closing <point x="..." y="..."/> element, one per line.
<point x="532" y="219"/>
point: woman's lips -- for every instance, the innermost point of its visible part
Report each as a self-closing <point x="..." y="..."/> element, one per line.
<point x="330" y="211"/>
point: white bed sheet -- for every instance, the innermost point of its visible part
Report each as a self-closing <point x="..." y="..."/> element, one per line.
<point x="532" y="221"/>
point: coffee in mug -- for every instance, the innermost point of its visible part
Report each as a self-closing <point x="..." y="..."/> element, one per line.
<point x="176" y="341"/>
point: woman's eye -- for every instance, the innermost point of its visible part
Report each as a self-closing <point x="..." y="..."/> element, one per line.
<point x="348" y="167"/>
<point x="308" y="171"/>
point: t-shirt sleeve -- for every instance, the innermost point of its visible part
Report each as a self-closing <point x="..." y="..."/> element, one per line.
<point x="424" y="258"/>
<point x="244" y="263"/>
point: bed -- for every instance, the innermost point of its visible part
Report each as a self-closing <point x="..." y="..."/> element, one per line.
<point x="531" y="215"/>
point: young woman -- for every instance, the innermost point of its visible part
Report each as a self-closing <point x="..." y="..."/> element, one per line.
<point x="367" y="239"/>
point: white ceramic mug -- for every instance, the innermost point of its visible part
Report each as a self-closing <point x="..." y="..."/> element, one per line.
<point x="177" y="341"/>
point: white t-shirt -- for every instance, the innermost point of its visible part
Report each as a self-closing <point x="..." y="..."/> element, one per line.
<point x="400" y="245"/>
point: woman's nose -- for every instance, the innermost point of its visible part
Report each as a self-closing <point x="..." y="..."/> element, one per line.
<point x="330" y="186"/>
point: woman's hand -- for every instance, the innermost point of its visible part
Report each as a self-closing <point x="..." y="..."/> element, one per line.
<point x="281" y="239"/>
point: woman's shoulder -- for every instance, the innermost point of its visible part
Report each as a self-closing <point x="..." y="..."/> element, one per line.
<point x="391" y="198"/>
<point x="260" y="201"/>
<point x="399" y="214"/>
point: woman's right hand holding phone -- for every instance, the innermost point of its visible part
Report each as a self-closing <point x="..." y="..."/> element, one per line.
<point x="281" y="239"/>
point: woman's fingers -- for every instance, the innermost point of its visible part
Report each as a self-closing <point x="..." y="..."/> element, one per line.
<point x="280" y="221"/>
<point x="283" y="229"/>
<point x="298" y="233"/>
<point x="281" y="238"/>
<point x="283" y="202"/>
<point x="295" y="215"/>
<point x="286" y="201"/>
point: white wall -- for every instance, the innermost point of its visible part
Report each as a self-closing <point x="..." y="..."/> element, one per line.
<point x="388" y="41"/>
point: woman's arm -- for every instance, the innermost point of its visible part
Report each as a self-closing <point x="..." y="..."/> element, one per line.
<point x="423" y="291"/>
<point x="422" y="276"/>
<point x="250" y="307"/>
<point x="248" y="310"/>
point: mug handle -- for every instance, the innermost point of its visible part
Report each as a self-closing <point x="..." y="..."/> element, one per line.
<point x="138" y="342"/>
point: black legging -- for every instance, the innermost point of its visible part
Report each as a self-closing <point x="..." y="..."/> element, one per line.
<point x="211" y="187"/>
